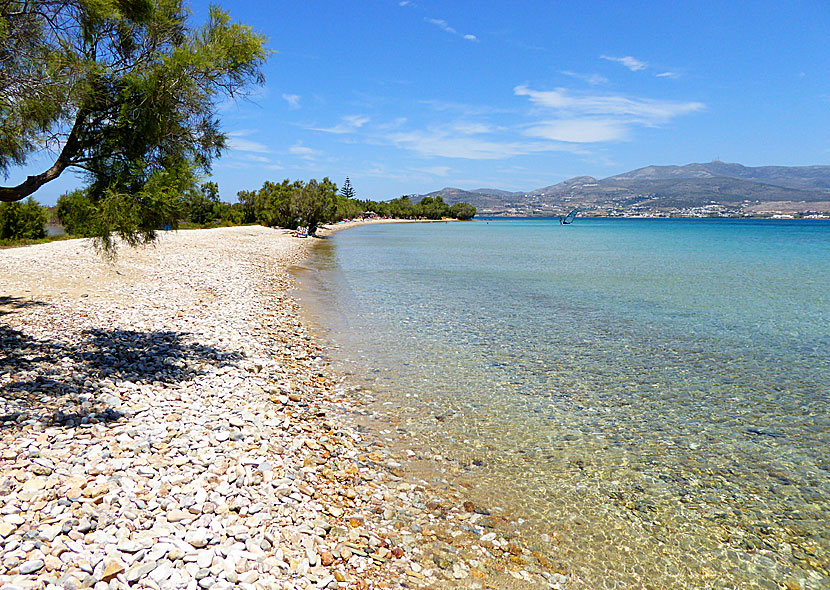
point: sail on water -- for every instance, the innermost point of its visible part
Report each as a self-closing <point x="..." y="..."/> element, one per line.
<point x="569" y="218"/>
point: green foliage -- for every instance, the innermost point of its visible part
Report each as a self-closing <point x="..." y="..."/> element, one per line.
<point x="462" y="211"/>
<point x="432" y="208"/>
<point x="128" y="90"/>
<point x="201" y="205"/>
<point x="349" y="208"/>
<point x="270" y="205"/>
<point x="402" y="208"/>
<point x="76" y="212"/>
<point x="347" y="191"/>
<point x="292" y="204"/>
<point x="314" y="203"/>
<point x="22" y="221"/>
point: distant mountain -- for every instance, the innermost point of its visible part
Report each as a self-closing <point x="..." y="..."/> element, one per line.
<point x="481" y="198"/>
<point x="495" y="191"/>
<point x="572" y="184"/>
<point x="798" y="177"/>
<point x="668" y="189"/>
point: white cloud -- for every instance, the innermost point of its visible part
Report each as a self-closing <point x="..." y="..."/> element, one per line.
<point x="444" y="26"/>
<point x="449" y="142"/>
<point x="256" y="158"/>
<point x="435" y="170"/>
<point x="443" y="144"/>
<point x="298" y="149"/>
<point x="349" y="124"/>
<point x="236" y="141"/>
<point x="631" y="63"/>
<point x="579" y="130"/>
<point x="642" y="110"/>
<point x="592" y="79"/>
<point x="668" y="75"/>
<point x="595" y="118"/>
<point x="470" y="128"/>
<point x="293" y="100"/>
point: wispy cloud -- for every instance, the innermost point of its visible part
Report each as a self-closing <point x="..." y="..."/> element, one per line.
<point x="298" y="149"/>
<point x="631" y="63"/>
<point x="579" y="130"/>
<point x="348" y="124"/>
<point x="293" y="100"/>
<point x="442" y="143"/>
<point x="457" y="140"/>
<point x="646" y="110"/>
<point x="435" y="170"/>
<point x="667" y="75"/>
<point x="256" y="158"/>
<point x="444" y="26"/>
<point x="463" y="109"/>
<point x="592" y="79"/>
<point x="594" y="118"/>
<point x="237" y="141"/>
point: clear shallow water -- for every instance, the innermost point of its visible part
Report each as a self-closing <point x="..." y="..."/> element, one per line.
<point x="652" y="394"/>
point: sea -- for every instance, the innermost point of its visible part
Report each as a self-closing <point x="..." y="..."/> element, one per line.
<point x="648" y="395"/>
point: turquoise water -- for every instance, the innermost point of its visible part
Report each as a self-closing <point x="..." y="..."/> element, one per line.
<point x="650" y="394"/>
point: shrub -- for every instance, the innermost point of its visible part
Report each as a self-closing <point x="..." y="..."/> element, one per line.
<point x="76" y="213"/>
<point x="22" y="220"/>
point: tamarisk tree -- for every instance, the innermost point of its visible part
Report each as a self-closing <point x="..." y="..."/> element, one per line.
<point x="124" y="91"/>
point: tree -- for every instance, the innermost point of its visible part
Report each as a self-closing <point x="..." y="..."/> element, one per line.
<point x="432" y="208"/>
<point x="271" y="204"/>
<point x="22" y="221"/>
<point x="347" y="191"/>
<point x="202" y="205"/>
<point x="402" y="207"/>
<point x="123" y="90"/>
<point x="76" y="212"/>
<point x="313" y="203"/>
<point x="462" y="211"/>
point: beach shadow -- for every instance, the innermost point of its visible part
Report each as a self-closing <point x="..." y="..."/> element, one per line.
<point x="67" y="383"/>
<point x="9" y="304"/>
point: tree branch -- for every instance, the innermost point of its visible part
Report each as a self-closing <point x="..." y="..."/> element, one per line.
<point x="64" y="160"/>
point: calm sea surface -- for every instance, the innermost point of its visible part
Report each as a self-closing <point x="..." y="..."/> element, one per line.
<point x="651" y="394"/>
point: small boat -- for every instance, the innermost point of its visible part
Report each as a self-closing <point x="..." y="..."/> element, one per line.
<point x="569" y="218"/>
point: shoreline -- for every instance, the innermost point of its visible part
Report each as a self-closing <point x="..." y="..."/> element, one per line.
<point x="169" y="422"/>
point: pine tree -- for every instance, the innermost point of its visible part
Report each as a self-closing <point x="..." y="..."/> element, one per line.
<point x="347" y="190"/>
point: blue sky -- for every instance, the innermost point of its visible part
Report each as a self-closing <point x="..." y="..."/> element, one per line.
<point x="411" y="96"/>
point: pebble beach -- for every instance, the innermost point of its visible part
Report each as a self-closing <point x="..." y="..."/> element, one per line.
<point x="167" y="421"/>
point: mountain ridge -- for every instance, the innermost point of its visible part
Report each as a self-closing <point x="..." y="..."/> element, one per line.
<point x="699" y="188"/>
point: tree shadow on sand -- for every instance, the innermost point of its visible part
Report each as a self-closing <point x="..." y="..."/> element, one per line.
<point x="71" y="382"/>
<point x="9" y="304"/>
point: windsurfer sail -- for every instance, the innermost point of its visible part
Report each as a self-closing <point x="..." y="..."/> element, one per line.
<point x="569" y="218"/>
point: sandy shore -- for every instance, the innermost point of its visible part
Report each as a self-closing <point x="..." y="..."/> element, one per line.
<point x="167" y="422"/>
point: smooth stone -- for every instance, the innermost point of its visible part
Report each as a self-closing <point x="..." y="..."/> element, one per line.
<point x="111" y="569"/>
<point x="30" y="567"/>
<point x="140" y="571"/>
<point x="162" y="571"/>
<point x="177" y="515"/>
<point x="205" y="559"/>
<point x="6" y="528"/>
<point x="198" y="538"/>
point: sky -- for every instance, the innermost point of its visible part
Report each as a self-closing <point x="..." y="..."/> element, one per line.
<point x="410" y="96"/>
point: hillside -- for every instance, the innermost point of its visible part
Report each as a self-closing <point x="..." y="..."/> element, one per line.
<point x="714" y="188"/>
